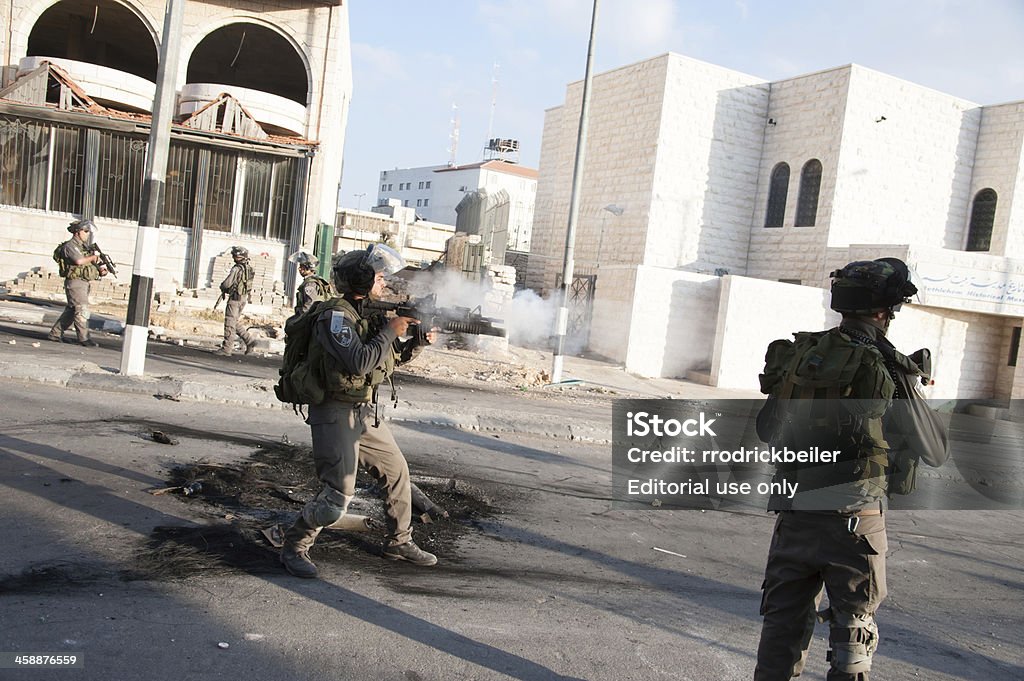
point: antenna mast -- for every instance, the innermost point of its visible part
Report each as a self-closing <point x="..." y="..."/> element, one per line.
<point x="453" y="137"/>
<point x="494" y="99"/>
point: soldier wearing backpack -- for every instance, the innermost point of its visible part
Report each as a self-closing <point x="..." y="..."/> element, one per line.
<point x="335" y="360"/>
<point x="849" y="390"/>
<point x="312" y="288"/>
<point x="78" y="266"/>
<point x="236" y="288"/>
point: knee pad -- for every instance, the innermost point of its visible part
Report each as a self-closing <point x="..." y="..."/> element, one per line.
<point x="853" y="640"/>
<point x="327" y="508"/>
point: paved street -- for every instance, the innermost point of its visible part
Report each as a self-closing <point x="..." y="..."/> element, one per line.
<point x="548" y="582"/>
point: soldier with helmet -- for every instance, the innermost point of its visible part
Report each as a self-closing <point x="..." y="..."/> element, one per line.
<point x="79" y="266"/>
<point x="837" y="388"/>
<point x="312" y="288"/>
<point x="236" y="287"/>
<point x="355" y="355"/>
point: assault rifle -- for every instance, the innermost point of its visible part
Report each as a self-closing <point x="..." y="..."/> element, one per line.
<point x="444" y="319"/>
<point x="106" y="263"/>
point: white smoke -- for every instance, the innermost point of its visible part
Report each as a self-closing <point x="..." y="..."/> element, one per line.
<point x="528" y="318"/>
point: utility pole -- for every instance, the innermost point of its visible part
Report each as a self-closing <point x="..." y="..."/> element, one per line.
<point x="136" y="333"/>
<point x="568" y="265"/>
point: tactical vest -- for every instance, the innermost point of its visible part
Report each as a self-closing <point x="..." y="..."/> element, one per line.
<point x="243" y="284"/>
<point x="315" y="376"/>
<point x="830" y="390"/>
<point x="69" y="270"/>
<point x="302" y="298"/>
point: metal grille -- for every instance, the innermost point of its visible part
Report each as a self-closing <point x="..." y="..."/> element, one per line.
<point x="580" y="304"/>
<point x="122" y="162"/>
<point x="220" y="191"/>
<point x="983" y="218"/>
<point x="67" y="175"/>
<point x="282" y="202"/>
<point x="24" y="162"/>
<point x="256" y="196"/>
<point x="180" y="186"/>
<point x="807" y="201"/>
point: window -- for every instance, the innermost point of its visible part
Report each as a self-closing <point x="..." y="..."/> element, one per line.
<point x="419" y="202"/>
<point x="1014" y="346"/>
<point x="406" y="203"/>
<point x="421" y="185"/>
<point x="383" y="187"/>
<point x="42" y="165"/>
<point x="180" y="188"/>
<point x="119" y="176"/>
<point x="426" y="202"/>
<point x="428" y="185"/>
<point x="777" y="192"/>
<point x="390" y="186"/>
<point x="807" y="200"/>
<point x="983" y="216"/>
<point x="220" y="191"/>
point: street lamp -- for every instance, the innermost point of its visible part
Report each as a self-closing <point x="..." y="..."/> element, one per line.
<point x="359" y="199"/>
<point x="614" y="210"/>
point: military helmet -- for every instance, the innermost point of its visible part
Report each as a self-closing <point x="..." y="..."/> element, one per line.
<point x="304" y="260"/>
<point x="239" y="250"/>
<point x="869" y="286"/>
<point x="82" y="226"/>
<point x="354" y="272"/>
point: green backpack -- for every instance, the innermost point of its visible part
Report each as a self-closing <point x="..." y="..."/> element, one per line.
<point x="804" y="379"/>
<point x="301" y="377"/>
<point x="58" y="257"/>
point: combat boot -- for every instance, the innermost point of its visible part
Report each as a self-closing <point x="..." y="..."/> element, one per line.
<point x="410" y="552"/>
<point x="295" y="553"/>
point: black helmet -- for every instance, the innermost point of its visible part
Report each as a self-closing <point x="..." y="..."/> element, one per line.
<point x="355" y="271"/>
<point x="869" y="286"/>
<point x="239" y="250"/>
<point x="82" y="226"/>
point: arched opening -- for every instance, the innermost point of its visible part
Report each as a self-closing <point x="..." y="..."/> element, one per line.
<point x="778" y="190"/>
<point x="251" y="56"/>
<point x="983" y="217"/>
<point x="807" y="199"/>
<point x="97" y="32"/>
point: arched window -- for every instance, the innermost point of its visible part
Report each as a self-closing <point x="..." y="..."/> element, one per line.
<point x="777" y="192"/>
<point x="983" y="216"/>
<point x="807" y="200"/>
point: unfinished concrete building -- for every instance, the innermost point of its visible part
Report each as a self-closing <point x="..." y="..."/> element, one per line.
<point x="256" y="147"/>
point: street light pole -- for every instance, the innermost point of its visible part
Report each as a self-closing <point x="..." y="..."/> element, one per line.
<point x="359" y="200"/>
<point x="136" y="332"/>
<point x="568" y="264"/>
<point x="614" y="210"/>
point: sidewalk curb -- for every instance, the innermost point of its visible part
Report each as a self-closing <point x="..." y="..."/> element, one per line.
<point x="260" y="394"/>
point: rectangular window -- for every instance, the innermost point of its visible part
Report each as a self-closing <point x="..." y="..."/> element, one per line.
<point x="406" y="203"/>
<point x="24" y="162"/>
<point x="419" y="202"/>
<point x="122" y="161"/>
<point x="180" y="188"/>
<point x="421" y="184"/>
<point x="426" y="202"/>
<point x="68" y="174"/>
<point x="255" y="196"/>
<point x="282" y="204"/>
<point x="1014" y="346"/>
<point x="383" y="187"/>
<point x="220" y="191"/>
<point x="428" y="184"/>
<point x="390" y="186"/>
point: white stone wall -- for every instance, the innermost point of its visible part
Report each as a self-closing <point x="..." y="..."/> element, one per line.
<point x="673" y="322"/>
<point x="621" y="156"/>
<point x="708" y="150"/>
<point x="611" y="321"/>
<point x="808" y="116"/>
<point x="906" y="178"/>
<point x="754" y="312"/>
<point x="997" y="166"/>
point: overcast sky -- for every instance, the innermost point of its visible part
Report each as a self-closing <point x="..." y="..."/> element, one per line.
<point x="413" y="59"/>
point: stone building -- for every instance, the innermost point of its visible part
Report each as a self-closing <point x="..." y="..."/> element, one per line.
<point x="735" y="197"/>
<point x="262" y="94"/>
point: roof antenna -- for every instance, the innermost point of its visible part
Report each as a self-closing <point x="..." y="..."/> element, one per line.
<point x="453" y="137"/>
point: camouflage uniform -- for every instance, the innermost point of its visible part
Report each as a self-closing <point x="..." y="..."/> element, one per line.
<point x="76" y="289"/>
<point x="236" y="287"/>
<point x="833" y="536"/>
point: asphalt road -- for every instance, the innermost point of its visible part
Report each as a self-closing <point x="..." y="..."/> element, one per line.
<point x="549" y="583"/>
